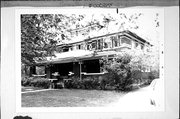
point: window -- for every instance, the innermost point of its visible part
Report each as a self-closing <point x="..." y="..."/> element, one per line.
<point x="116" y="41"/>
<point x="100" y="44"/>
<point x="88" y="46"/>
<point x="107" y="43"/>
<point x="92" y="45"/>
<point x="65" y="49"/>
<point x="142" y="47"/>
<point x="79" y="46"/>
<point x="83" y="46"/>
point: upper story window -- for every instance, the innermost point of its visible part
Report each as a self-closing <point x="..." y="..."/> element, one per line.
<point x="142" y="47"/>
<point x="92" y="45"/>
<point x="115" y="41"/>
<point x="78" y="47"/>
<point x="88" y="46"/>
<point x="125" y="40"/>
<point x="65" y="49"/>
<point x="107" y="43"/>
<point x="84" y="46"/>
<point x="100" y="44"/>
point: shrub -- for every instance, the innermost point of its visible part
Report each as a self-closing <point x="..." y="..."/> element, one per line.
<point x="119" y="72"/>
<point x="74" y="82"/>
<point x="90" y="82"/>
<point x="36" y="82"/>
<point x="68" y="84"/>
<point x="127" y="69"/>
<point x="26" y="81"/>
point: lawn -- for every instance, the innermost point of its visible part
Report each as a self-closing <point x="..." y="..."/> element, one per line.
<point x="70" y="98"/>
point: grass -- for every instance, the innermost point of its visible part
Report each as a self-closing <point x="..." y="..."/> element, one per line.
<point x="70" y="98"/>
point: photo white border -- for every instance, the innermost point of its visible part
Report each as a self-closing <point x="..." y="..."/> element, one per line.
<point x="68" y="10"/>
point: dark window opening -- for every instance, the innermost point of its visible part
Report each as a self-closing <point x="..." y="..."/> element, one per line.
<point x="105" y="45"/>
<point x="100" y="44"/>
<point x="65" y="49"/>
<point x="62" y="69"/>
<point x="88" y="47"/>
<point x="91" y="66"/>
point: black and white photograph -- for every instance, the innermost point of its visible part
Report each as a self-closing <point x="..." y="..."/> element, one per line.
<point x="89" y="59"/>
<point x="92" y="57"/>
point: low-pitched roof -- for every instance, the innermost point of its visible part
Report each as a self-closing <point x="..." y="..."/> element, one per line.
<point x="78" y="55"/>
<point x="80" y="39"/>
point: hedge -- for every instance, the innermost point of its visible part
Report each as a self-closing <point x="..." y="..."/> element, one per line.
<point x="36" y="82"/>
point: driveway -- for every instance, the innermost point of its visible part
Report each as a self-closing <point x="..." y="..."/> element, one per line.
<point x="138" y="100"/>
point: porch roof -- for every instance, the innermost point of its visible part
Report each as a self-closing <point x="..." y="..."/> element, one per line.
<point x="78" y="56"/>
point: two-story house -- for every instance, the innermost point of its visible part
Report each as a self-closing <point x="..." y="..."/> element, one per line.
<point x="82" y="57"/>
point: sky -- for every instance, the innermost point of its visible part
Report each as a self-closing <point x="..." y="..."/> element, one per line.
<point x="146" y="22"/>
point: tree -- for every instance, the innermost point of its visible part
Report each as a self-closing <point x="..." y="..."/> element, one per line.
<point x="39" y="34"/>
<point x="119" y="71"/>
<point x="33" y="42"/>
<point x="128" y="67"/>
